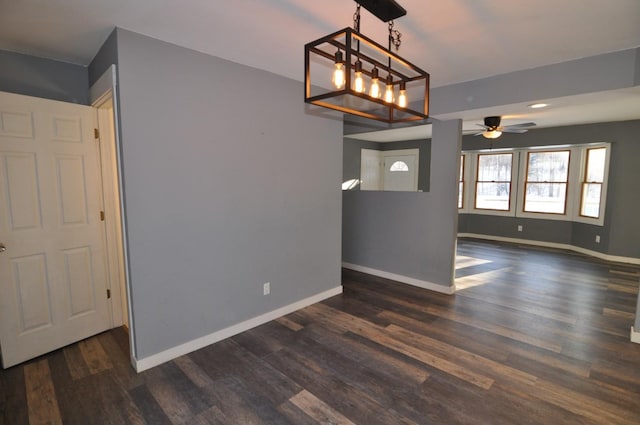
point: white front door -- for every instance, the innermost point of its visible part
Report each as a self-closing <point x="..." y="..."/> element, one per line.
<point x="53" y="288"/>
<point x="400" y="172"/>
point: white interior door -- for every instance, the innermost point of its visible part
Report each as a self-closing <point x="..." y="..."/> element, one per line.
<point x="370" y="164"/>
<point x="53" y="288"/>
<point x="400" y="172"/>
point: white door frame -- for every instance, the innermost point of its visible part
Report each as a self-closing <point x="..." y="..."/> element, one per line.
<point x="373" y="177"/>
<point x="103" y="97"/>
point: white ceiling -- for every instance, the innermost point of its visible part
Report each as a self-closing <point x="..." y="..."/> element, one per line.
<point x="454" y="40"/>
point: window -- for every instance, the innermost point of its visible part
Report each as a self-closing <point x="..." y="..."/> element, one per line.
<point x="592" y="182"/>
<point x="493" y="184"/>
<point x="564" y="182"/>
<point x="461" y="183"/>
<point x="545" y="186"/>
<point x="399" y="166"/>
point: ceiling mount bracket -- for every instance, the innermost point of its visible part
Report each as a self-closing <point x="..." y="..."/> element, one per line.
<point x="385" y="10"/>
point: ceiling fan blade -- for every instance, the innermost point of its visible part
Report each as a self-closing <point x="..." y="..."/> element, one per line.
<point x="483" y="126"/>
<point x="523" y="125"/>
<point x="514" y="130"/>
<point x="479" y="134"/>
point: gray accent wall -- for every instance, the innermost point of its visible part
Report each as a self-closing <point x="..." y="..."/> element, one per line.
<point x="534" y="229"/>
<point x="229" y="183"/>
<point x="106" y="56"/>
<point x="351" y="158"/>
<point x="409" y="234"/>
<point x="620" y="235"/>
<point x="46" y="78"/>
<point x="637" y="68"/>
<point x="609" y="71"/>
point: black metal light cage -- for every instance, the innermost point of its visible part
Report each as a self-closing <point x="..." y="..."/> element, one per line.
<point x="319" y="61"/>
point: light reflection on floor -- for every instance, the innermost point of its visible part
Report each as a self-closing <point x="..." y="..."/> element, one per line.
<point x="466" y="277"/>
<point x="464" y="261"/>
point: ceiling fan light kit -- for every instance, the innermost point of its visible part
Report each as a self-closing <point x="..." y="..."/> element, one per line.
<point x="348" y="72"/>
<point x="493" y="130"/>
<point x="492" y="134"/>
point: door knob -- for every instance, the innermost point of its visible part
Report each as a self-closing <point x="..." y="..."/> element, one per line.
<point x="2" y="247"/>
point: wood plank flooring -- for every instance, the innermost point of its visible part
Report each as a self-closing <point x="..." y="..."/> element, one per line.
<point x="532" y="337"/>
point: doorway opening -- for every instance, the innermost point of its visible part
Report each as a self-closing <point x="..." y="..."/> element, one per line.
<point x="103" y="99"/>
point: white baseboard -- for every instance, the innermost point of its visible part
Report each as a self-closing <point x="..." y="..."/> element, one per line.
<point x="400" y="278"/>
<point x="635" y="336"/>
<point x="600" y="255"/>
<point x="196" y="344"/>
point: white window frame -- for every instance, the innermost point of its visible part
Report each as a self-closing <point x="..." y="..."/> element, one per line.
<point x="603" y="195"/>
<point x="577" y="170"/>
<point x="470" y="176"/>
<point x="464" y="182"/>
<point x="469" y="179"/>
<point x="574" y="152"/>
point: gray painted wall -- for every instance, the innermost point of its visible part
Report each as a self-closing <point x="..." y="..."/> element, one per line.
<point x="532" y="229"/>
<point x="106" y="56"/>
<point x="620" y="235"/>
<point x="46" y="78"/>
<point x="637" y="67"/>
<point x="410" y="234"/>
<point x="229" y="184"/>
<point x="608" y="71"/>
<point x="354" y="124"/>
<point x="351" y="158"/>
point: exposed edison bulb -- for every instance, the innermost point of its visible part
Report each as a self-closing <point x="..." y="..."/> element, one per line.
<point x="402" y="96"/>
<point x="402" y="99"/>
<point x="388" y="93"/>
<point x="338" y="78"/>
<point x="374" y="90"/>
<point x="358" y="84"/>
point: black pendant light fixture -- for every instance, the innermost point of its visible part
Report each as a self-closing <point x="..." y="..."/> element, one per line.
<point x="348" y="72"/>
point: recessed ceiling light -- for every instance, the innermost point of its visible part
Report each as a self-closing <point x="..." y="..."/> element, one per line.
<point x="538" y="105"/>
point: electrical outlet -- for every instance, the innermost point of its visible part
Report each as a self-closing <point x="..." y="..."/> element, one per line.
<point x="266" y="288"/>
<point x="597" y="238"/>
<point x="519" y="227"/>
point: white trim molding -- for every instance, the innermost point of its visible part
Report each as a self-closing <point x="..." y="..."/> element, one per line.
<point x="600" y="255"/>
<point x="635" y="336"/>
<point x="198" y="343"/>
<point x="401" y="278"/>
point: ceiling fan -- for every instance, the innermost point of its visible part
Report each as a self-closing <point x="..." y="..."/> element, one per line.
<point x="493" y="130"/>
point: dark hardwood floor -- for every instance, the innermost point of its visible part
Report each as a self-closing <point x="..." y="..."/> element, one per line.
<point x="535" y="337"/>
